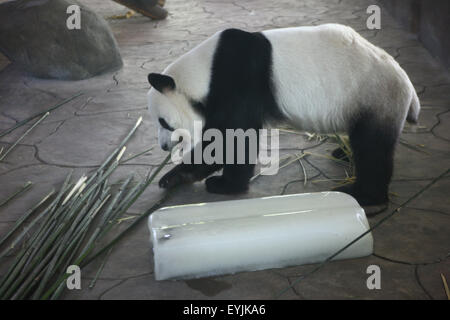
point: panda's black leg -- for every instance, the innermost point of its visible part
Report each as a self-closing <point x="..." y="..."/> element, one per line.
<point x="234" y="179"/>
<point x="236" y="175"/>
<point x="187" y="173"/>
<point x="373" y="145"/>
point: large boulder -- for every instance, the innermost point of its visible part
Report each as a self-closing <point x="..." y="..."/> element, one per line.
<point x="35" y="35"/>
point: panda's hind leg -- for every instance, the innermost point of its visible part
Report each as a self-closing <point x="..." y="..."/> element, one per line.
<point x="372" y="142"/>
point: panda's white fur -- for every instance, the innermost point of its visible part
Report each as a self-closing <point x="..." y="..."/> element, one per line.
<point x="325" y="79"/>
<point x="319" y="86"/>
<point x="192" y="73"/>
<point x="322" y="75"/>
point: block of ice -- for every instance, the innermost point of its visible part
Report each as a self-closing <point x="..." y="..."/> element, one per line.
<point x="206" y="239"/>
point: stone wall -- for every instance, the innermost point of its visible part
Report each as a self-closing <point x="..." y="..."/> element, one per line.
<point x="429" y="20"/>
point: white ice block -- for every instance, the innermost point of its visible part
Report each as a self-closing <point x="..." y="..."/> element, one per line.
<point x="205" y="239"/>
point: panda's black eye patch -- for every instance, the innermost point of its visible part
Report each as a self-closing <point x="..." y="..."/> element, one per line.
<point x="164" y="124"/>
<point x="199" y="107"/>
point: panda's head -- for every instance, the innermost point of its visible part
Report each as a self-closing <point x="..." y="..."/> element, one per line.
<point x="172" y="109"/>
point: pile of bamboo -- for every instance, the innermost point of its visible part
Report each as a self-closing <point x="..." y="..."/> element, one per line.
<point x="65" y="228"/>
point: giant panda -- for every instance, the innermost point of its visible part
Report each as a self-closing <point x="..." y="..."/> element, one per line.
<point x="324" y="79"/>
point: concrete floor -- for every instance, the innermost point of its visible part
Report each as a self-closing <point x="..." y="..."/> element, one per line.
<point x="411" y="248"/>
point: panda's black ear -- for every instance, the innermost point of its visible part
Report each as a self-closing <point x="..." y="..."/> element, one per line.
<point x="161" y="81"/>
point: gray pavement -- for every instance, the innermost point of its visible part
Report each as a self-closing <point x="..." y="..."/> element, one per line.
<point x="410" y="248"/>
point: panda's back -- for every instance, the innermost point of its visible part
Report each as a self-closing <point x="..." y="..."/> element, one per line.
<point x="322" y="74"/>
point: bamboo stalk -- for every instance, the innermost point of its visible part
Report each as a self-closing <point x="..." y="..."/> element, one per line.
<point x="107" y="214"/>
<point x="137" y="155"/>
<point x="74" y="189"/>
<point x="296" y="157"/>
<point x="131" y="201"/>
<point x="61" y="221"/>
<point x="23" y="136"/>
<point x="100" y="269"/>
<point x="60" y="252"/>
<point x="305" y="179"/>
<point x="23" y="218"/>
<point x="25" y="187"/>
<point x="21" y="282"/>
<point x="44" y="259"/>
<point x="21" y="257"/>
<point x="59" y="240"/>
<point x="55" y="290"/>
<point x="39" y="114"/>
<point x="260" y="173"/>
<point x="412" y="147"/>
<point x="117" y="150"/>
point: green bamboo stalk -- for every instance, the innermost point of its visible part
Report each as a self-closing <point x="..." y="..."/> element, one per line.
<point x="35" y="252"/>
<point x="137" y="155"/>
<point x="47" y="269"/>
<point x="23" y="258"/>
<point x="48" y="211"/>
<point x="43" y="267"/>
<point x="117" y="149"/>
<point x="3" y="156"/>
<point x="107" y="214"/>
<point x="21" y="282"/>
<point x="75" y="244"/>
<point x="126" y="197"/>
<point x="134" y="198"/>
<point x="68" y="219"/>
<point x="55" y="290"/>
<point x="72" y="248"/>
<point x="25" y="187"/>
<point x="49" y="236"/>
<point x="42" y="247"/>
<point x="39" y="114"/>
<point x="51" y="230"/>
<point x="24" y="218"/>
<point x="61" y="221"/>
<point x="100" y="269"/>
<point x="56" y="260"/>
<point x="58" y="290"/>
<point x="32" y="265"/>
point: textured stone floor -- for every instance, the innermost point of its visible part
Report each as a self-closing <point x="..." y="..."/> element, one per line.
<point x="411" y="248"/>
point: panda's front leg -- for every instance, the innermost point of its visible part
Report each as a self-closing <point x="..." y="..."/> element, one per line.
<point x="186" y="173"/>
<point x="234" y="179"/>
<point x="240" y="166"/>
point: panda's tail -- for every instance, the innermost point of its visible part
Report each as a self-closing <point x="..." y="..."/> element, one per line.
<point x="414" y="109"/>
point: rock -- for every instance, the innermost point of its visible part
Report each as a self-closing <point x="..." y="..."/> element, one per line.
<point x="35" y="35"/>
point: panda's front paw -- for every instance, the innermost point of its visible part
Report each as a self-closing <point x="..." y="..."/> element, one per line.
<point x="218" y="184"/>
<point x="174" y="178"/>
<point x="169" y="180"/>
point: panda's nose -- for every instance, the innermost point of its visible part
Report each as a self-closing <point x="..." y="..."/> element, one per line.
<point x="165" y="147"/>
